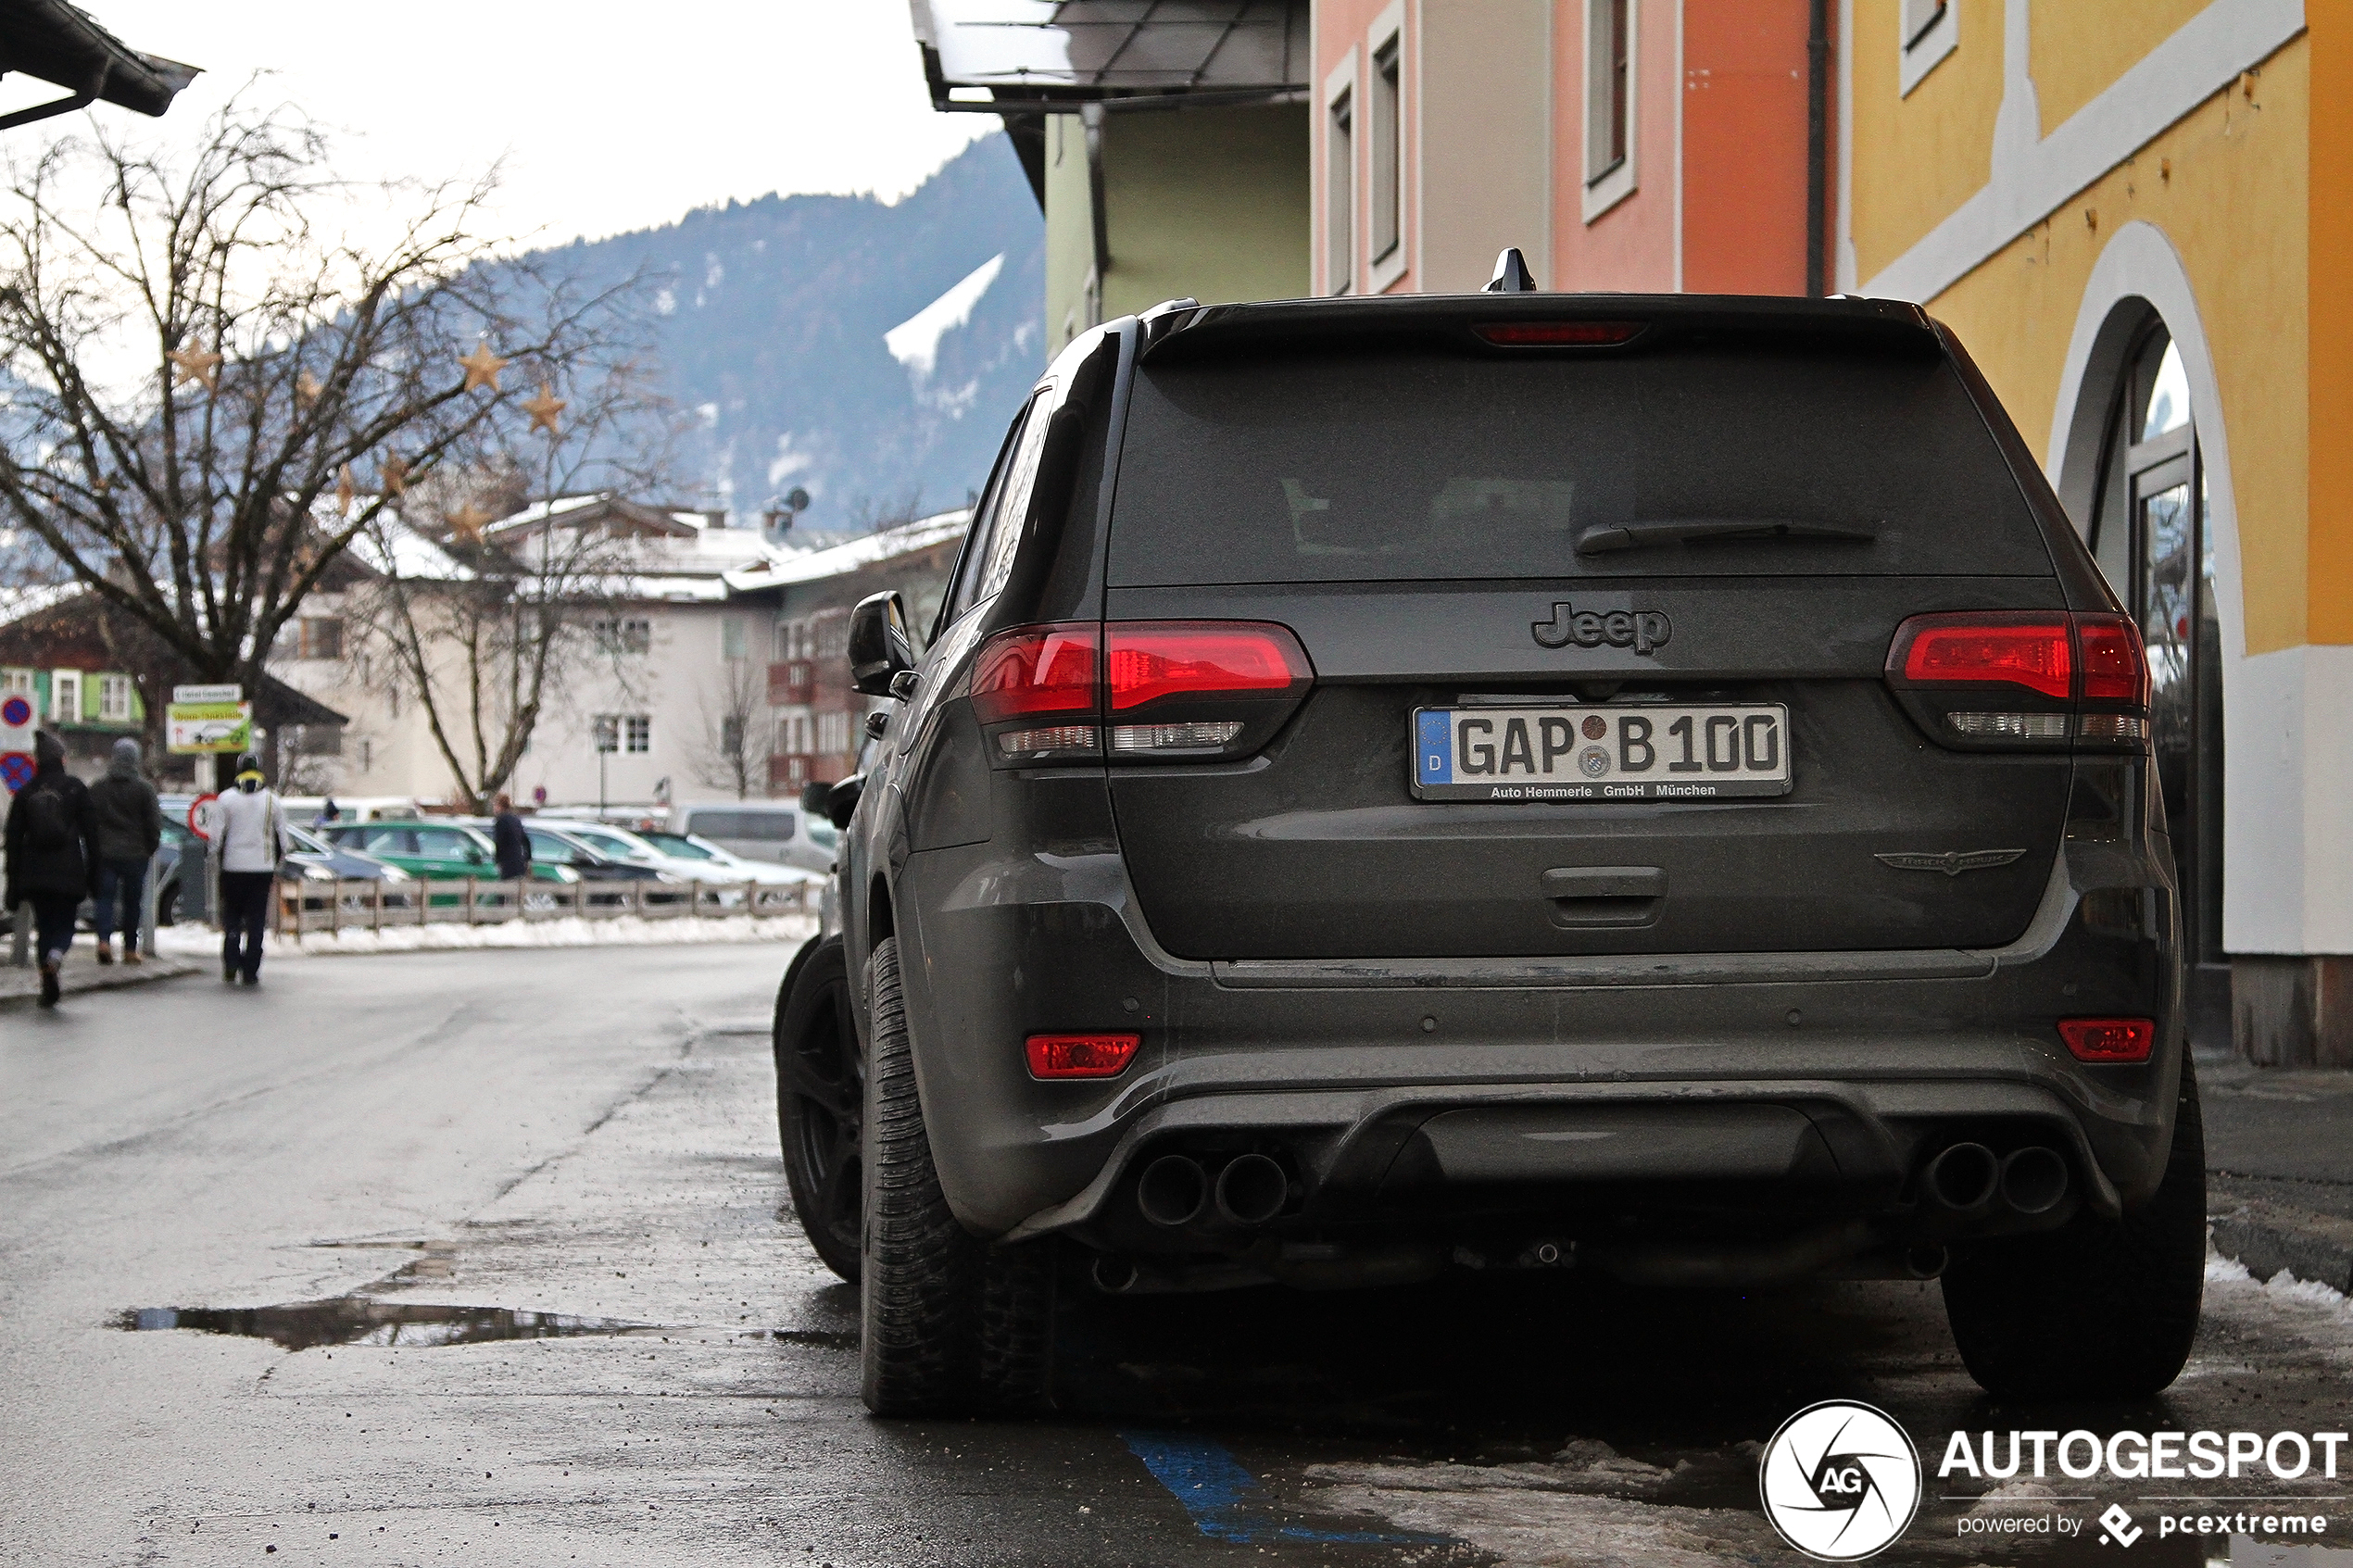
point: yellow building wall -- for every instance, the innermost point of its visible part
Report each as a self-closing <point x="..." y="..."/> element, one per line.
<point x="2229" y="184"/>
<point x="1920" y="157"/>
<point x="2076" y="49"/>
<point x="1070" y="233"/>
<point x="1209" y="203"/>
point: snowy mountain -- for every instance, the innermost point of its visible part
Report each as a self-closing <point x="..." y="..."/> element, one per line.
<point x="870" y="353"/>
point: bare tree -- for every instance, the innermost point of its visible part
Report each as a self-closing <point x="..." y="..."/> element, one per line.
<point x="211" y="397"/>
<point x="728" y="754"/>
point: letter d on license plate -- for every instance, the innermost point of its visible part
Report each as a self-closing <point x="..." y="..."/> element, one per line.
<point x="1617" y="752"/>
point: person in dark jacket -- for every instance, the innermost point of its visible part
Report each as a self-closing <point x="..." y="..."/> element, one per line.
<point x="52" y="854"/>
<point x="129" y="829"/>
<point x="509" y="842"/>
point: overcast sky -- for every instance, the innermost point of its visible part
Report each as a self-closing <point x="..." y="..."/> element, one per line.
<point x="608" y="117"/>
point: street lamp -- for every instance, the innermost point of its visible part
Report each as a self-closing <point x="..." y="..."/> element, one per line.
<point x="608" y="741"/>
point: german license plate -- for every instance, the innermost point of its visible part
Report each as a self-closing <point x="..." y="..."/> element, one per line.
<point x="1619" y="752"/>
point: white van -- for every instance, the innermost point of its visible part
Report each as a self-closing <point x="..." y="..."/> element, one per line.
<point x="762" y="830"/>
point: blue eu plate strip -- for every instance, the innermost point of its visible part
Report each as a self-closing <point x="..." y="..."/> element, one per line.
<point x="1226" y="1502"/>
<point x="1434" y="748"/>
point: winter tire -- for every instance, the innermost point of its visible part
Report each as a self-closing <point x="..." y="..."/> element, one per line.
<point x="948" y="1323"/>
<point x="2098" y="1309"/>
<point x="821" y="1101"/>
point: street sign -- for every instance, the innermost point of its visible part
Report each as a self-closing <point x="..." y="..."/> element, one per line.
<point x="17" y="717"/>
<point x="207" y="694"/>
<point x="198" y="728"/>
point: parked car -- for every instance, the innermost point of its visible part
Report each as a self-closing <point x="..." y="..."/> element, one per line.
<point x="437" y="849"/>
<point x="565" y="851"/>
<point x="777" y="831"/>
<point x="638" y="848"/>
<point x="720" y="864"/>
<point x="1507" y="782"/>
<point x="316" y="858"/>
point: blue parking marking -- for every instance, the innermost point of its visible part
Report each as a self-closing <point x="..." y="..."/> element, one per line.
<point x="1433" y="748"/>
<point x="1226" y="1502"/>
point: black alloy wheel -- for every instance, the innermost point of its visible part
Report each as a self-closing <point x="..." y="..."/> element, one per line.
<point x="821" y="1095"/>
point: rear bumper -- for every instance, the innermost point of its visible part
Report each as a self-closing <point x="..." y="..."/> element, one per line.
<point x="1438" y="1096"/>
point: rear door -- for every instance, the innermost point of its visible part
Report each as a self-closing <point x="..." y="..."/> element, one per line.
<point x="1598" y="578"/>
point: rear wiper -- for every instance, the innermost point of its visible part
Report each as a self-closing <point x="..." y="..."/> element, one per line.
<point x="1605" y="538"/>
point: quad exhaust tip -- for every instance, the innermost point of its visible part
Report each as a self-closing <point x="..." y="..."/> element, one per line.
<point x="1963" y="1177"/>
<point x="1251" y="1190"/>
<point x="2034" y="1180"/>
<point x="1970" y="1178"/>
<point x="1172" y="1191"/>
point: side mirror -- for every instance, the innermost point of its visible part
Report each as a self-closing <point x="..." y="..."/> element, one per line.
<point x="841" y="799"/>
<point x="879" y="649"/>
<point x="813" y="795"/>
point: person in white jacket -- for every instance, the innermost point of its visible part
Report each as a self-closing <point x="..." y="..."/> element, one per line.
<point x="249" y="835"/>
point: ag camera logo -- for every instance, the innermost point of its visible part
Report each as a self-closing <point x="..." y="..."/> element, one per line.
<point x="1839" y="1481"/>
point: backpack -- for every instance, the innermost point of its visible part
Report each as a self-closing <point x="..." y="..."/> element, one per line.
<point x="48" y="824"/>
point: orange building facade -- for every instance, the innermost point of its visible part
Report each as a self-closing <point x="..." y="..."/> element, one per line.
<point x="1650" y="145"/>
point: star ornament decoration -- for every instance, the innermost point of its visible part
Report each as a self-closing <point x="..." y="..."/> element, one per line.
<point x="307" y="389"/>
<point x="346" y="490"/>
<point x="544" y="408"/>
<point x="396" y="476"/>
<point x="481" y="367"/>
<point x="194" y="364"/>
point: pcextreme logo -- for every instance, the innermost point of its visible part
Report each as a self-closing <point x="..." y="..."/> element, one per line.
<point x="1839" y="1481"/>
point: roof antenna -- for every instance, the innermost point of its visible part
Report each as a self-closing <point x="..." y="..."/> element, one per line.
<point x="1511" y="274"/>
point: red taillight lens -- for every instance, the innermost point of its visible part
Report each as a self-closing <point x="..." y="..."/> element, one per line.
<point x="1559" y="334"/>
<point x="1036" y="670"/>
<point x="2108" y="1039"/>
<point x="2115" y="670"/>
<point x="2031" y="654"/>
<point x="1081" y="1056"/>
<point x="1153" y="659"/>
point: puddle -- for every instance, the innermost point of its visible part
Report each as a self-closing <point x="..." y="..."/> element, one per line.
<point x="349" y="1320"/>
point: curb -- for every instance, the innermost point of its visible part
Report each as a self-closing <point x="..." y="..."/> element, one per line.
<point x="82" y="980"/>
<point x="2266" y="1238"/>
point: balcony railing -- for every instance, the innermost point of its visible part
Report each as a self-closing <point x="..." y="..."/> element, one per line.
<point x="792" y="684"/>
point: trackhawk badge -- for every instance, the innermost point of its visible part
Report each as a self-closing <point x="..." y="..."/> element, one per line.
<point x="1642" y="629"/>
<point x="1953" y="862"/>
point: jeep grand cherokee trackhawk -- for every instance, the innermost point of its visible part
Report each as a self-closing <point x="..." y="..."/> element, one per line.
<point x="1654" y="784"/>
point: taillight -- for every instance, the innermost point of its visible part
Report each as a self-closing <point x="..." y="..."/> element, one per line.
<point x="1149" y="660"/>
<point x="2027" y="679"/>
<point x="2108" y="1039"/>
<point x="1081" y="1056"/>
<point x="1036" y="671"/>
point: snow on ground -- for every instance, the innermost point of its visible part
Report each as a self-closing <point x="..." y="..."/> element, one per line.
<point x="197" y="942"/>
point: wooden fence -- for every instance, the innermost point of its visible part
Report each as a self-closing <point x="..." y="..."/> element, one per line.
<point x="335" y="906"/>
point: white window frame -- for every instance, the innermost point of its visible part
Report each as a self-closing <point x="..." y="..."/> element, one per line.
<point x="1919" y="51"/>
<point x="60" y="710"/>
<point x="114" y="699"/>
<point x="1387" y="32"/>
<point x="1340" y="206"/>
<point x="1604" y="188"/>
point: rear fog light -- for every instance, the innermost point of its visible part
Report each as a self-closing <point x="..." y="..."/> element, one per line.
<point x="1081" y="1056"/>
<point x="2108" y="1039"/>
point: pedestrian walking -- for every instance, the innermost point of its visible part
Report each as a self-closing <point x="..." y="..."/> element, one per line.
<point x="130" y="831"/>
<point x="250" y="828"/>
<point x="52" y="856"/>
<point x="509" y="842"/>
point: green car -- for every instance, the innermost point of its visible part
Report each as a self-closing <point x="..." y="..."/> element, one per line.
<point x="438" y="851"/>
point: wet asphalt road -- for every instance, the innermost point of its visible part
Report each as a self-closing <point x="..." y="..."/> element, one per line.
<point x="441" y="1148"/>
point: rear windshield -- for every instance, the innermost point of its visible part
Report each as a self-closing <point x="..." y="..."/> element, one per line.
<point x="763" y="826"/>
<point x="1403" y="466"/>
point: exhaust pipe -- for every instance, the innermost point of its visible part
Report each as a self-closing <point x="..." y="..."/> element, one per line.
<point x="1963" y="1178"/>
<point x="1171" y="1190"/>
<point x="1925" y="1262"/>
<point x="2034" y="1180"/>
<point x="1251" y="1190"/>
<point x="1114" y="1276"/>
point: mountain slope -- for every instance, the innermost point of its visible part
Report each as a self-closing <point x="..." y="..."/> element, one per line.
<point x="773" y="316"/>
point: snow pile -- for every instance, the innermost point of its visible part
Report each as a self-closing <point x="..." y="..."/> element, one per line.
<point x="628" y="931"/>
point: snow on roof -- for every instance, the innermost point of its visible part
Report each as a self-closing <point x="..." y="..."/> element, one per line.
<point x="883" y="544"/>
<point x="390" y="548"/>
<point x="34" y="598"/>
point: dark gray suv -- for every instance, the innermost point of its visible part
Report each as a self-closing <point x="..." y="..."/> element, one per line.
<point x="1649" y="785"/>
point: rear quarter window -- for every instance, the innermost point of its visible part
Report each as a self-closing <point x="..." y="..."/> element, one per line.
<point x="1420" y="465"/>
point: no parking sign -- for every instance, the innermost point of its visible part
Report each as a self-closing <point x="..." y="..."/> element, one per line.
<point x="15" y="741"/>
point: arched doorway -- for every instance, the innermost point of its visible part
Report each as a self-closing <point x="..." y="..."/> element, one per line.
<point x="2152" y="531"/>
